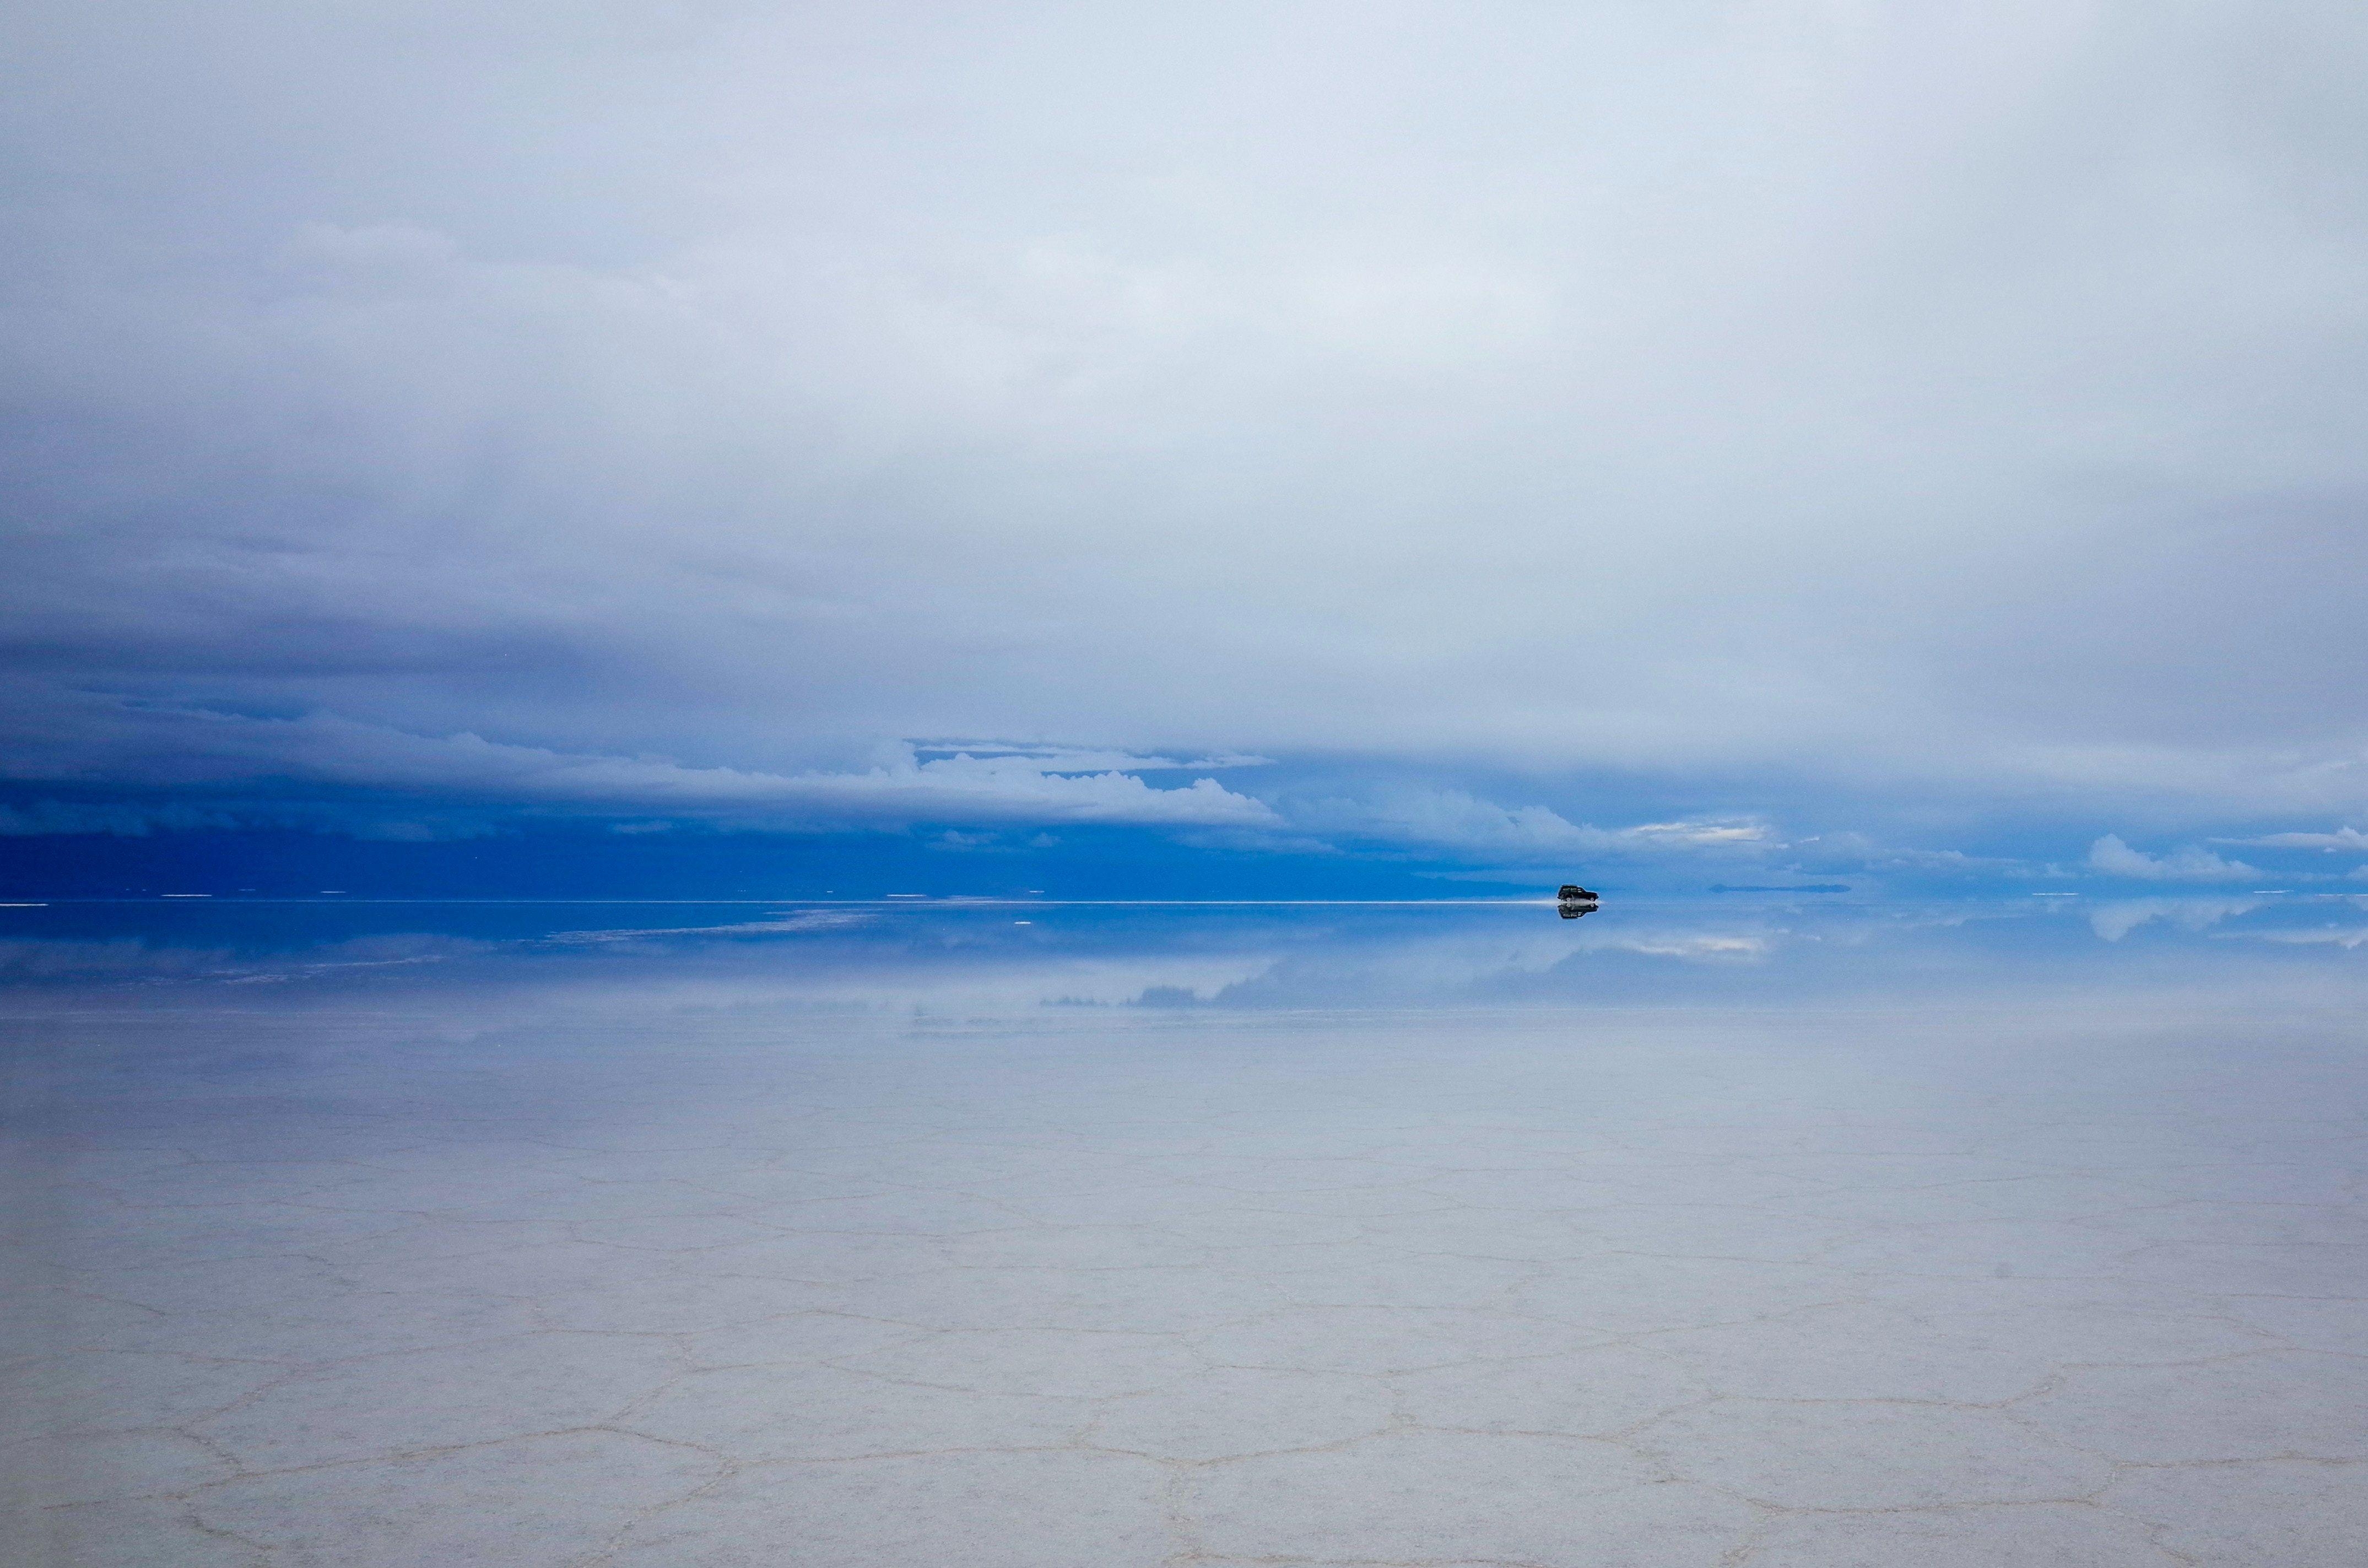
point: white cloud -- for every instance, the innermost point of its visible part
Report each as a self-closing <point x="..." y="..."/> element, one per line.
<point x="2116" y="920"/>
<point x="2350" y="838"/>
<point x="1459" y="821"/>
<point x="1081" y="759"/>
<point x="2339" y="937"/>
<point x="819" y="389"/>
<point x="2110" y="856"/>
<point x="241" y="750"/>
<point x="1704" y="835"/>
<point x="1696" y="947"/>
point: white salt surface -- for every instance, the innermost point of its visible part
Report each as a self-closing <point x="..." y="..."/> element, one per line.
<point x="646" y="1275"/>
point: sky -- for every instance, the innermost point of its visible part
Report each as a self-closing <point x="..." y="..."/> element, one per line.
<point x="1704" y="443"/>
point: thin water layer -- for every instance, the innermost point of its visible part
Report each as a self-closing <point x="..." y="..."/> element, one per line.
<point x="1747" y="1232"/>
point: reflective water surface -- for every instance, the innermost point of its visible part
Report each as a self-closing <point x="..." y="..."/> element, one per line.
<point x="1743" y="1231"/>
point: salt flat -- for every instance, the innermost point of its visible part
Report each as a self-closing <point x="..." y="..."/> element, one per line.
<point x="1474" y="1240"/>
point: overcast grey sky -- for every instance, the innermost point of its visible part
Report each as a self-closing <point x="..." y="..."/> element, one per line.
<point x="684" y="406"/>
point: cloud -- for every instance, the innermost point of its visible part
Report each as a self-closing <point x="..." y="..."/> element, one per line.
<point x="1081" y="759"/>
<point x="227" y="749"/>
<point x="1847" y="850"/>
<point x="2110" y="856"/>
<point x="2346" y="937"/>
<point x="1702" y="835"/>
<point x="817" y="391"/>
<point x="2350" y="838"/>
<point x="2117" y="920"/>
<point x="1459" y="821"/>
<point x="128" y="821"/>
<point x="1711" y="947"/>
<point x="786" y="922"/>
<point x="137" y="819"/>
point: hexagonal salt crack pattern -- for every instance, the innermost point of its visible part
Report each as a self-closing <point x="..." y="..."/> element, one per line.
<point x="536" y="1500"/>
<point x="92" y="1392"/>
<point x="794" y="1338"/>
<point x="1625" y="1292"/>
<point x="2072" y="1535"/>
<point x="2339" y="1324"/>
<point x="688" y="1302"/>
<point x="294" y="1327"/>
<point x="1235" y="1411"/>
<point x="978" y="1510"/>
<point x="1584" y="1394"/>
<point x="1424" y="1279"/>
<point x="59" y="1470"/>
<point x="1062" y="1363"/>
<point x="1384" y="1339"/>
<point x="2276" y="1514"/>
<point x="377" y="1405"/>
<point x="2315" y="1270"/>
<point x="804" y="1412"/>
<point x="138" y="1531"/>
<point x="1860" y="1350"/>
<point x="1867" y="1454"/>
<point x="2281" y="1404"/>
<point x="1124" y="1301"/>
<point x="759" y="1291"/>
<point x="1416" y="1496"/>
